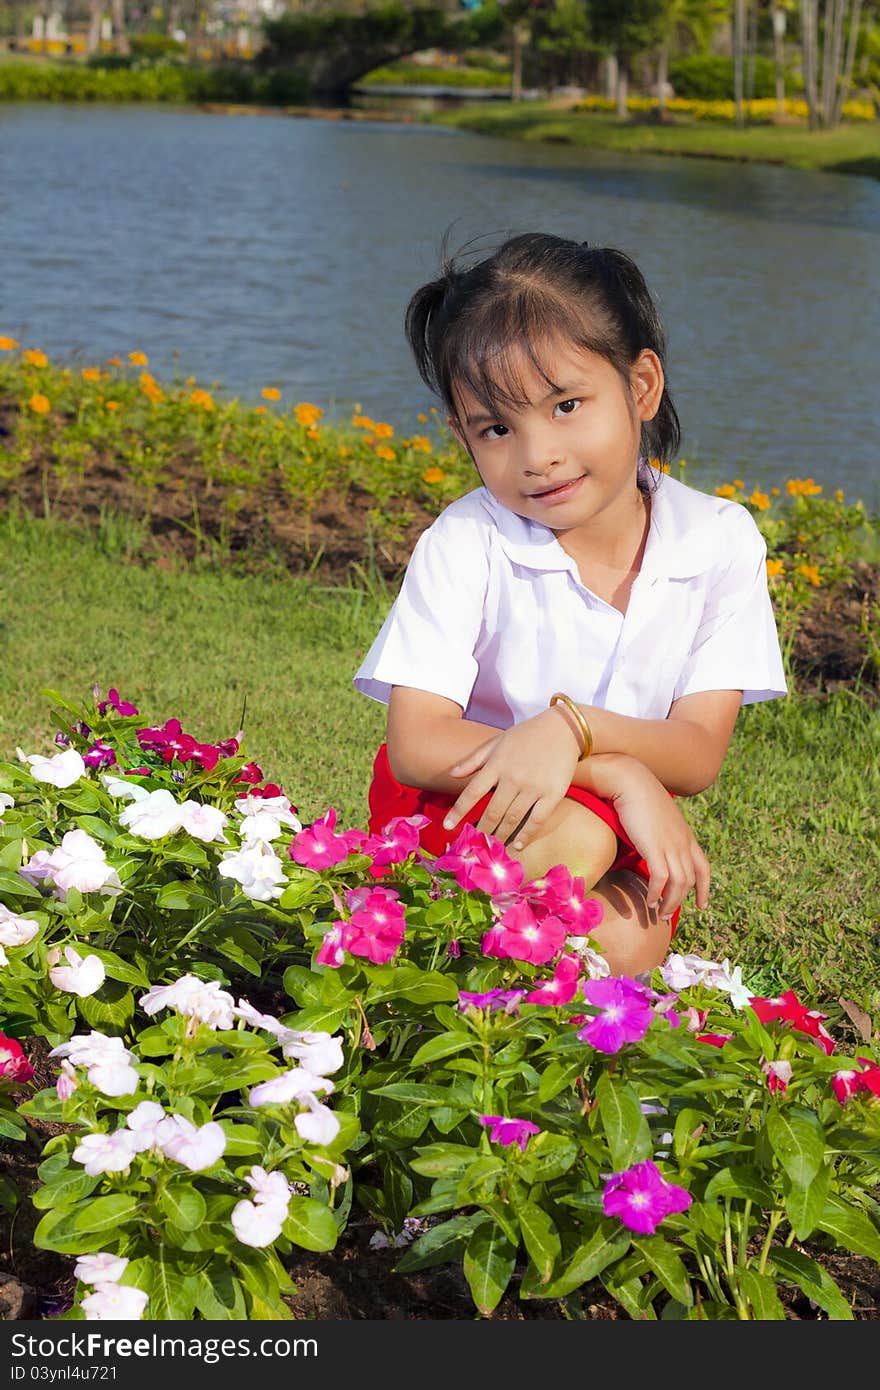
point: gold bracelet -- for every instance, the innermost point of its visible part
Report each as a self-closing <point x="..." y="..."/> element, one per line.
<point x="577" y="715"/>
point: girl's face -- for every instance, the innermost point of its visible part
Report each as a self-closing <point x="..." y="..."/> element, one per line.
<point x="569" y="458"/>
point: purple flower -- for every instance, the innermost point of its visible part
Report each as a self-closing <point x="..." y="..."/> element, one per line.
<point x="100" y="755"/>
<point x="124" y="707"/>
<point x="641" y="1197"/>
<point x="507" y="1132"/>
<point x="626" y="1013"/>
<point x="506" y="999"/>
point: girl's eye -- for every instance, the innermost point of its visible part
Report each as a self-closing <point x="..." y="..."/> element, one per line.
<point x="492" y="432"/>
<point x="568" y="407"/>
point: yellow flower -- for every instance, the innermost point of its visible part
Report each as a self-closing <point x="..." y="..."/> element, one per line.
<point x="421" y="442"/>
<point x="725" y="490"/>
<point x="91" y="374"/>
<point x="201" y="398"/>
<point x="433" y="475"/>
<point x="810" y="572"/>
<point x="774" y="568"/>
<point x="190" y="381"/>
<point x="139" y="359"/>
<point x="111" y="405"/>
<point x="760" y="500"/>
<point x="383" y="452"/>
<point x="307" y="414"/>
<point x="838" y="496"/>
<point x="313" y="433"/>
<point x="422" y="419"/>
<point x="803" y="487"/>
<point x="738" y="482"/>
<point x="114" y="361"/>
<point x="39" y="403"/>
<point x="150" y="387"/>
<point x="774" y="492"/>
<point x="260" y="410"/>
<point x="344" y="451"/>
<point x="363" y="422"/>
<point x="270" y="393"/>
<point x="35" y="358"/>
<point x="383" y="431"/>
<point x="7" y="344"/>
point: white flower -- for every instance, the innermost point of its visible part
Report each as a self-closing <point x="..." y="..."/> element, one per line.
<point x="730" y="982"/>
<point x="6" y="803"/>
<point x="202" y="1000"/>
<point x="124" y="788"/>
<point x="144" y="1122"/>
<point x="16" y="931"/>
<point x="100" y="1269"/>
<point x="105" y="1153"/>
<point x="257" y="1225"/>
<point x="80" y="976"/>
<point x="115" y="1302"/>
<point x="257" y="868"/>
<point x="318" y="1052"/>
<point x="66" y="1083"/>
<point x="246" y="1011"/>
<point x="106" y="1059"/>
<point x="597" y="967"/>
<point x="275" y="808"/>
<point x="196" y="1149"/>
<point x="203" y="822"/>
<point x="78" y="862"/>
<point x="318" y="1124"/>
<point x="297" y="1084"/>
<point x="153" y="816"/>
<point x="62" y="770"/>
<point x="4" y="959"/>
<point x="114" y="1077"/>
<point x="683" y="972"/>
<point x="269" y="1187"/>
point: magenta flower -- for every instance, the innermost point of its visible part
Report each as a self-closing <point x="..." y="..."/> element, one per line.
<point x="520" y="935"/>
<point x="787" y="1008"/>
<point x="397" y="840"/>
<point x="562" y="988"/>
<point x="506" y="999"/>
<point x="492" y="870"/>
<point x="714" y="1039"/>
<point x="320" y="847"/>
<point x="100" y="755"/>
<point x="507" y="1132"/>
<point x="847" y="1083"/>
<point x="14" y="1066"/>
<point x="778" y="1075"/>
<point x="332" y="949"/>
<point x="641" y="1197"/>
<point x="251" y="772"/>
<point x="626" y="1013"/>
<point x="113" y="701"/>
<point x="377" y="929"/>
<point x="563" y="895"/>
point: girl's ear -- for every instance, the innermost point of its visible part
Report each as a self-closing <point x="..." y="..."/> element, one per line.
<point x="648" y="380"/>
<point x="457" y="431"/>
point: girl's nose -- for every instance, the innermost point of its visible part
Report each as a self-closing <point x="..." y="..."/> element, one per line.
<point x="539" y="452"/>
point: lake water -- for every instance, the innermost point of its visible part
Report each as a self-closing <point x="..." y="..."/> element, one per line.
<point x="255" y="250"/>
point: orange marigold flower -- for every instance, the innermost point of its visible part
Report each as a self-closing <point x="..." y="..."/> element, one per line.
<point x="803" y="487"/>
<point x="35" y="358"/>
<point x="114" y="361"/>
<point x="150" y="387"/>
<point x="774" y="492"/>
<point x="363" y="422"/>
<point x="189" y="381"/>
<point x="838" y="496"/>
<point x="39" y="403"/>
<point x="260" y="410"/>
<point x="139" y="359"/>
<point x="203" y="399"/>
<point x="313" y="433"/>
<point x="270" y="393"/>
<point x="760" y="500"/>
<point x="774" y="568"/>
<point x="382" y="430"/>
<point x="422" y="419"/>
<point x="307" y="414"/>
<point x="111" y="405"/>
<point x="7" y="344"/>
<point x="433" y="475"/>
<point x="383" y="452"/>
<point x="811" y="572"/>
<point x="421" y="442"/>
<point x="91" y="374"/>
<point x="738" y="482"/>
<point x="725" y="490"/>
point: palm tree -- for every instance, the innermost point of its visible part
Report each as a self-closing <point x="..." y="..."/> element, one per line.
<point x="683" y="19"/>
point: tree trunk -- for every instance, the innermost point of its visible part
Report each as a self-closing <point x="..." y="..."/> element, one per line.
<point x="739" y="34"/>
<point x="826" y="90"/>
<point x="517" y="38"/>
<point x="809" y="35"/>
<point x="662" y="78"/>
<point x="751" y="48"/>
<point x="622" y="90"/>
<point x="120" y="36"/>
<point x="843" y="89"/>
<point x="96" y="14"/>
<point x="779" y="18"/>
<point x="611" y="76"/>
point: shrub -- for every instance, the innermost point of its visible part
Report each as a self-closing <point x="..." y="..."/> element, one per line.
<point x="709" y="77"/>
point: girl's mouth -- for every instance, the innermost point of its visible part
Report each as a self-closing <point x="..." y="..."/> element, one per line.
<point x="557" y="494"/>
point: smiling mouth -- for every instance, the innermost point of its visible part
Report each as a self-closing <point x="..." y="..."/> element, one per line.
<point x="559" y="490"/>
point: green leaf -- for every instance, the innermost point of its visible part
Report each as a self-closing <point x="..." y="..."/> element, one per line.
<point x="547" y="1156"/>
<point x="626" y="1129"/>
<point x="629" y="1294"/>
<point x="119" y="969"/>
<point x="183" y="1204"/>
<point x="743" y="1181"/>
<point x="805" y="1205"/>
<point x="442" y="1046"/>
<point x="664" y="1261"/>
<point x="106" y="1213"/>
<point x="798" y="1141"/>
<point x="609" y="1242"/>
<point x="182" y="896"/>
<point x="408" y="1092"/>
<point x="439" y="1160"/>
<point x="173" y="1295"/>
<point x="418" y="986"/>
<point x="57" y="1230"/>
<point x="440" y="1244"/>
<point x="98" y="828"/>
<point x="683" y="1138"/>
<point x="219" y="1295"/>
<point x="110" y="1009"/>
<point x="310" y="1224"/>
<point x="11" y="1127"/>
<point x="556" y="1076"/>
<point x="303" y="986"/>
<point x="489" y="1261"/>
<point x="760" y="1290"/>
<point x="540" y="1238"/>
<point x="850" y="1227"/>
<point x="300" y="894"/>
<point x="813" y="1280"/>
<point x="17" y="887"/>
<point x="70" y="1185"/>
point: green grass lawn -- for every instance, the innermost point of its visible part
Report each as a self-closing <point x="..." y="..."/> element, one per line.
<point x="853" y="148"/>
<point x="791" y="826"/>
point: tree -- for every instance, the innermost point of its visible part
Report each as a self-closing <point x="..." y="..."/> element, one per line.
<point x="627" y="28"/>
<point x="685" y="19"/>
<point x="833" y="44"/>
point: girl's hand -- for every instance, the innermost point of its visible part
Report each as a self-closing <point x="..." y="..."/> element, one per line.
<point x="530" y="767"/>
<point x="663" y="838"/>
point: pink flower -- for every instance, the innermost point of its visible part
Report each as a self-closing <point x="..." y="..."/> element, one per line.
<point x="480" y="862"/>
<point x="847" y="1083"/>
<point x="100" y="755"/>
<point x="251" y="772"/>
<point x="787" y="1008"/>
<point x="320" y="847"/>
<point x="14" y="1066"/>
<point x="562" y="988"/>
<point x="506" y="1132"/>
<point x="778" y="1075"/>
<point x="714" y="1039"/>
<point x="521" y="936"/>
<point x="376" y="930"/>
<point x="558" y="892"/>
<point x="396" y="842"/>
<point x="641" y="1197"/>
<point x="332" y="949"/>
<point x="113" y="701"/>
<point x="626" y="1013"/>
<point x="506" y="999"/>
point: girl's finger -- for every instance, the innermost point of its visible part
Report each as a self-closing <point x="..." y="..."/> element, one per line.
<point x="473" y="792"/>
<point x="703" y="879"/>
<point x="495" y="814"/>
<point x="678" y="884"/>
<point x="658" y="874"/>
<point x="514" y="817"/>
<point x="474" y="760"/>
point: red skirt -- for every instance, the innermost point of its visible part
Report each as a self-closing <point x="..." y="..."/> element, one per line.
<point x="388" y="798"/>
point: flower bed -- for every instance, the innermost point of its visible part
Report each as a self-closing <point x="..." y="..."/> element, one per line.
<point x="260" y="1032"/>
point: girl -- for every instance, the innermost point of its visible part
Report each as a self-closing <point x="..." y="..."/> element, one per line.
<point x="573" y="639"/>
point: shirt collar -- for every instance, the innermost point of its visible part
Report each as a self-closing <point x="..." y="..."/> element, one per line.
<point x="680" y="543"/>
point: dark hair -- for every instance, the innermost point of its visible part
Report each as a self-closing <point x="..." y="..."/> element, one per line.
<point x="463" y="326"/>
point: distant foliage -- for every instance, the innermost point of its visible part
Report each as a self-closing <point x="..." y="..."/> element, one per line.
<point x="709" y="77"/>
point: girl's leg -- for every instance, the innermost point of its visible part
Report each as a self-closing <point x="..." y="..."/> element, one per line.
<point x="633" y="939"/>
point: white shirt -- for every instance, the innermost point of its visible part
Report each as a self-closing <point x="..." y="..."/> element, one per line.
<point x="493" y="615"/>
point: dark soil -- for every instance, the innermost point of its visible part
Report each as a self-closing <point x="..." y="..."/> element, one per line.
<point x="349" y="534"/>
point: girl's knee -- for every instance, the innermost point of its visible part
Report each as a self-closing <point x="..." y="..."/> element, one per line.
<point x="573" y="836"/>
<point x="633" y="939"/>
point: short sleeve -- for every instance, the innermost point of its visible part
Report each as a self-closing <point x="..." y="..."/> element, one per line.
<point x="736" y="646"/>
<point x="428" y="639"/>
